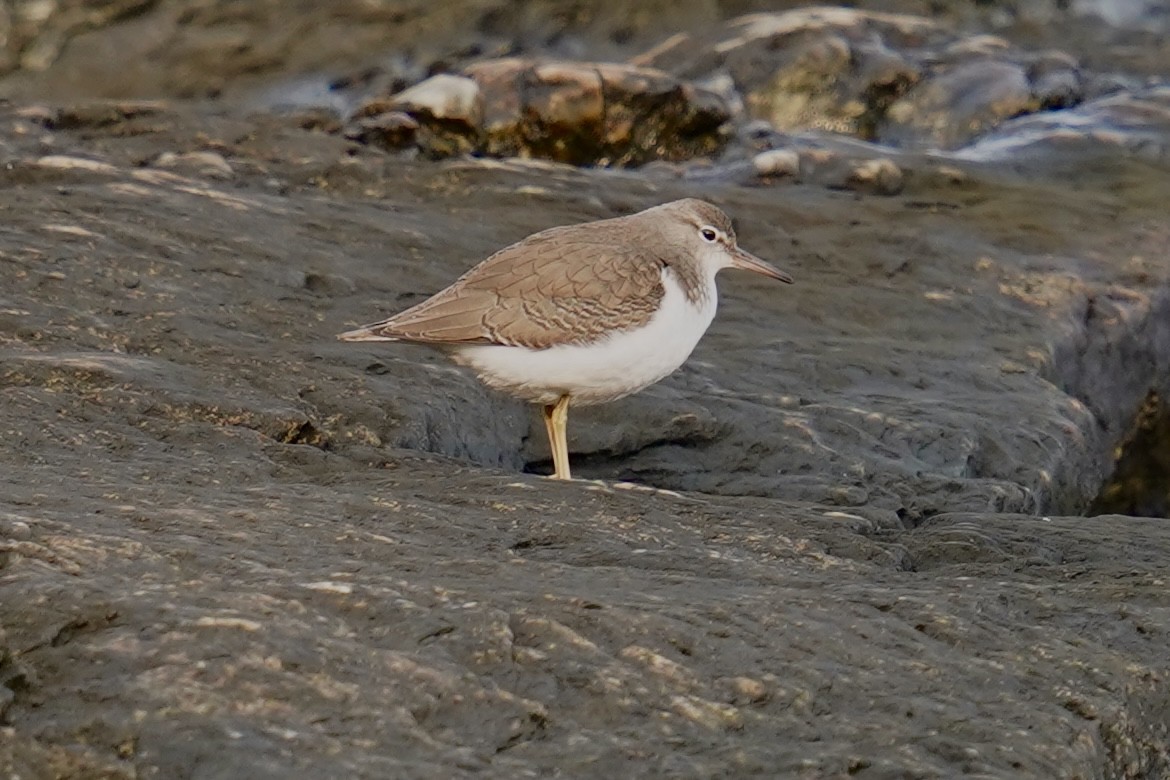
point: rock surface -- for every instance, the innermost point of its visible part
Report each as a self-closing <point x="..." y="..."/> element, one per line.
<point x="579" y="113"/>
<point x="846" y="543"/>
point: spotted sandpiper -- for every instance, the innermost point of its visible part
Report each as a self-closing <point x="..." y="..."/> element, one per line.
<point x="585" y="313"/>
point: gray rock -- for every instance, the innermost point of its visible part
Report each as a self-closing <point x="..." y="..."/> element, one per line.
<point x="1136" y="124"/>
<point x="958" y="104"/>
<point x="253" y="551"/>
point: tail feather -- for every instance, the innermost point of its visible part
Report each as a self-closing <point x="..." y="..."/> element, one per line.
<point x="373" y="332"/>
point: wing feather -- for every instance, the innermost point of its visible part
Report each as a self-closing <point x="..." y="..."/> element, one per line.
<point x="567" y="285"/>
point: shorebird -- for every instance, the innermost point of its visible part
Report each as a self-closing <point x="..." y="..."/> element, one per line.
<point x="584" y="313"/>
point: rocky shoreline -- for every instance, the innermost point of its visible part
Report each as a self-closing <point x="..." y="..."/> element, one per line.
<point x="845" y="540"/>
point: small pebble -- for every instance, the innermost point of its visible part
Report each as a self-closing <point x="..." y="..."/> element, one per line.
<point x="777" y="162"/>
<point x="204" y="163"/>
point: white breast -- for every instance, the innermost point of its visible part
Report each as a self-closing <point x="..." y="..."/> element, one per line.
<point x="616" y="366"/>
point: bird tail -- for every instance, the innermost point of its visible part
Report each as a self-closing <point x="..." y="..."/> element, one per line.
<point x="375" y="332"/>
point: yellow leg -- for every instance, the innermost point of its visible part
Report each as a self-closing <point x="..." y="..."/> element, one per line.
<point x="556" y="421"/>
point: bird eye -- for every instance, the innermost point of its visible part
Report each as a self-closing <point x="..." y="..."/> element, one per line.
<point x="708" y="234"/>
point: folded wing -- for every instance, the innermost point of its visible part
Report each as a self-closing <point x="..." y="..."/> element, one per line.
<point x="560" y="286"/>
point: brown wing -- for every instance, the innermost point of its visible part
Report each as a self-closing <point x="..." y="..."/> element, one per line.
<point x="560" y="286"/>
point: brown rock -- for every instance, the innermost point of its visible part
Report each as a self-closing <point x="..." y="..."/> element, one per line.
<point x="389" y="130"/>
<point x="879" y="176"/>
<point x="551" y="110"/>
<point x="826" y="68"/>
<point x="595" y="113"/>
<point x="653" y="116"/>
<point x="567" y="95"/>
<point x="500" y="87"/>
<point x="201" y="163"/>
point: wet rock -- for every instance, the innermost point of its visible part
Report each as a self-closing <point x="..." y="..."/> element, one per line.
<point x="828" y="68"/>
<point x="138" y="114"/>
<point x="388" y="130"/>
<point x="776" y="163"/>
<point x="62" y="162"/>
<point x="208" y="164"/>
<point x="579" y="113"/>
<point x="956" y="105"/>
<point x="895" y="79"/>
<point x="1136" y="123"/>
<point x="879" y="177"/>
<point x="649" y="115"/>
<point x="802" y="93"/>
<point x="545" y="110"/>
<point x="1147" y="15"/>
<point x="831" y="162"/>
<point x="1138" y="484"/>
<point x="1131" y="121"/>
<point x="1056" y="81"/>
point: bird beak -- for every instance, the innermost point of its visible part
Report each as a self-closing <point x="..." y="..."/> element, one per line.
<point x="749" y="262"/>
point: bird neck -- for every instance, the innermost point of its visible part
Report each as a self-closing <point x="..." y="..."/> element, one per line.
<point x="697" y="285"/>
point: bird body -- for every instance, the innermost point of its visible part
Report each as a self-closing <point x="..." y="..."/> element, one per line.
<point x="614" y="365"/>
<point x="585" y="313"/>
